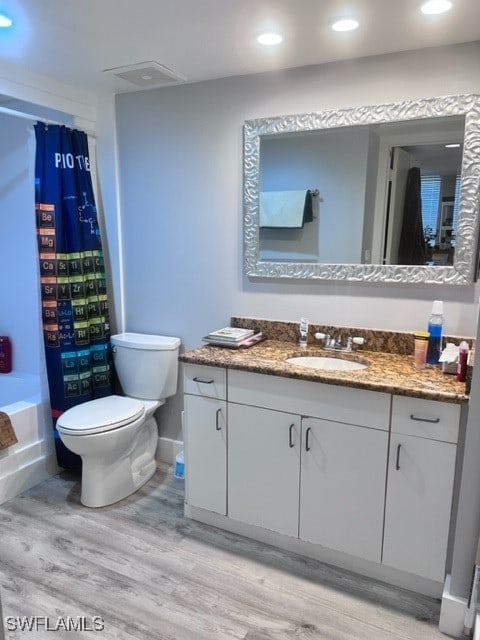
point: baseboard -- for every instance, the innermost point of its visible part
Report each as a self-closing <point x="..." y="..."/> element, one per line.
<point x="476" y="628"/>
<point x="26" y="477"/>
<point x="452" y="612"/>
<point x="336" y="558"/>
<point x="167" y="449"/>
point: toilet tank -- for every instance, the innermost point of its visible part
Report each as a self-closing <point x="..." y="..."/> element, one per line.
<point x="146" y="365"/>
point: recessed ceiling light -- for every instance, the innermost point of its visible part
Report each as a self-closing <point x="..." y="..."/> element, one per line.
<point x="453" y="145"/>
<point x="5" y="21"/>
<point x="432" y="7"/>
<point x="345" y="24"/>
<point x="269" y="38"/>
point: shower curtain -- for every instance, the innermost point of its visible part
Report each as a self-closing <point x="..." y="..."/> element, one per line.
<point x="75" y="313"/>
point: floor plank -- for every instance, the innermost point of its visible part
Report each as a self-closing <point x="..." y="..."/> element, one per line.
<point x="149" y="573"/>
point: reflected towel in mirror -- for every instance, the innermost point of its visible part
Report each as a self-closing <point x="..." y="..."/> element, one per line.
<point x="285" y="209"/>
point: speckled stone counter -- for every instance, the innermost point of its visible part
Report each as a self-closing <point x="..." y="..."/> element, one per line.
<point x="387" y="372"/>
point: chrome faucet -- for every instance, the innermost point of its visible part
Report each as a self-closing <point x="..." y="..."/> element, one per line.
<point x="303" y="332"/>
<point x="335" y="344"/>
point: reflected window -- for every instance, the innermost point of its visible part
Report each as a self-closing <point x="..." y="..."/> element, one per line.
<point x="440" y="205"/>
<point x="456" y="203"/>
<point x="430" y="193"/>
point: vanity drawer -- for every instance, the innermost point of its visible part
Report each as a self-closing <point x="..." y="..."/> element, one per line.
<point x="426" y="418"/>
<point x="200" y="380"/>
<point x="313" y="399"/>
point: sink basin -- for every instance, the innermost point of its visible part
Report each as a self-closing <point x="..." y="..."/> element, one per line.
<point x="326" y="363"/>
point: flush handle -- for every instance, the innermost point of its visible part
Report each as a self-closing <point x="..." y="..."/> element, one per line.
<point x="203" y="381"/>
<point x="217" y="421"/>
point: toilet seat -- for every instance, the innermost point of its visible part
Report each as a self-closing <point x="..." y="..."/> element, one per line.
<point x="100" y="416"/>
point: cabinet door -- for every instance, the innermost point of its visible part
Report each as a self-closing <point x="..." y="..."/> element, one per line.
<point x="263" y="467"/>
<point x="419" y="497"/>
<point x="205" y="453"/>
<point x="342" y="484"/>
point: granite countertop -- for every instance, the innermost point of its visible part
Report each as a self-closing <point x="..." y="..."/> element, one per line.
<point x="389" y="373"/>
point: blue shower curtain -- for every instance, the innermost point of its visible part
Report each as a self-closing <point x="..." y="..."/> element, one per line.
<point x="75" y="313"/>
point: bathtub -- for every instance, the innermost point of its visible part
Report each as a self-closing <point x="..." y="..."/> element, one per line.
<point x="33" y="458"/>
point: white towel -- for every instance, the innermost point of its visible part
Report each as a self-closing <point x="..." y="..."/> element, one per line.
<point x="282" y="209"/>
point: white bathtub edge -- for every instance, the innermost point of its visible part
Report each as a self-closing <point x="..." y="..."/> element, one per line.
<point x="28" y="476"/>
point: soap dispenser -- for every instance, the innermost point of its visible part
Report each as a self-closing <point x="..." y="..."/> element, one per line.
<point x="303" y="332"/>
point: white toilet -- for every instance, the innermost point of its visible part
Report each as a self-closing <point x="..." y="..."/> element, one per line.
<point x="117" y="436"/>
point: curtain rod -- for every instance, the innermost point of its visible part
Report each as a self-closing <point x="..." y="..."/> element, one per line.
<point x="33" y="118"/>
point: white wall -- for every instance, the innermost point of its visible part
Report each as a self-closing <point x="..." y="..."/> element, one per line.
<point x="20" y="299"/>
<point x="20" y="84"/>
<point x="108" y="205"/>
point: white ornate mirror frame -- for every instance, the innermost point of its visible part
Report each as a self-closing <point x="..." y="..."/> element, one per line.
<point x="464" y="269"/>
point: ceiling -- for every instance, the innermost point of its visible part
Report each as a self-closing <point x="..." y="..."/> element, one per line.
<point x="74" y="41"/>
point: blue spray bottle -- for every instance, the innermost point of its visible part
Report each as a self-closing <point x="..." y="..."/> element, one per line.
<point x="435" y="329"/>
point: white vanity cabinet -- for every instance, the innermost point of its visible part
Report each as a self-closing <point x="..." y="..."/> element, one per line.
<point x="420" y="485"/>
<point x="343" y="487"/>
<point x="322" y="480"/>
<point x="263" y="467"/>
<point x="205" y="422"/>
<point x="331" y="470"/>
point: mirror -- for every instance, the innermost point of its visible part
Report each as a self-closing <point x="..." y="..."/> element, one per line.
<point x="363" y="221"/>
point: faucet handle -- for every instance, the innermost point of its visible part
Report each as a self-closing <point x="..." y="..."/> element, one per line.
<point x="358" y="341"/>
<point x="320" y="336"/>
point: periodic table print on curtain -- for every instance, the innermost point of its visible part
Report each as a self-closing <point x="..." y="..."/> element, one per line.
<point x="75" y="312"/>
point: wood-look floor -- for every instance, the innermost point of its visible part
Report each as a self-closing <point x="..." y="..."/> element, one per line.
<point x="149" y="573"/>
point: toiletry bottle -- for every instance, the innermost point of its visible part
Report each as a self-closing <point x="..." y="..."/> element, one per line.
<point x="420" y="349"/>
<point x="5" y="354"/>
<point x="449" y="358"/>
<point x="435" y="327"/>
<point x="462" y="361"/>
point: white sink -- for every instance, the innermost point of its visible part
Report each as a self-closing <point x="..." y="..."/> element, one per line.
<point x="326" y="363"/>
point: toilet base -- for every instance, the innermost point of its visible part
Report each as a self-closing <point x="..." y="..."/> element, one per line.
<point x="106" y="483"/>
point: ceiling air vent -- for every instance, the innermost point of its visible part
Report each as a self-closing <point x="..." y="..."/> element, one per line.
<point x="147" y="75"/>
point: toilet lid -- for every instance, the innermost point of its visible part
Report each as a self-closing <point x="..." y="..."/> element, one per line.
<point x="103" y="414"/>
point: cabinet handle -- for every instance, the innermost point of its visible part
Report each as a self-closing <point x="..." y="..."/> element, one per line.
<point x="217" y="425"/>
<point x="432" y="420"/>
<point x="307" y="439"/>
<point x="397" y="462"/>
<point x="203" y="381"/>
<point x="290" y="433"/>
